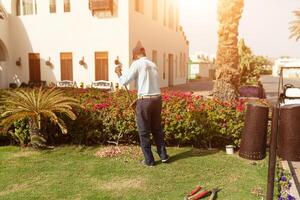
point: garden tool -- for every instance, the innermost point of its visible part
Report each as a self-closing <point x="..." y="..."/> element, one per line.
<point x="193" y="192"/>
<point x="214" y="193"/>
<point x="200" y="195"/>
<point x="132" y="102"/>
<point x="204" y="193"/>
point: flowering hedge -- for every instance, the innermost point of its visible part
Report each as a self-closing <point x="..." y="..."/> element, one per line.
<point x="187" y="120"/>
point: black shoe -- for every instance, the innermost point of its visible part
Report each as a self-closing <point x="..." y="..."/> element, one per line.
<point x="149" y="165"/>
<point x="165" y="160"/>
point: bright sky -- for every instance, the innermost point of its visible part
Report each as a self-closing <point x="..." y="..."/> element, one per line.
<point x="264" y="26"/>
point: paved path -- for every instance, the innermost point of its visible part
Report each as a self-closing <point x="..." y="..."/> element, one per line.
<point x="204" y="86"/>
<point x="199" y="87"/>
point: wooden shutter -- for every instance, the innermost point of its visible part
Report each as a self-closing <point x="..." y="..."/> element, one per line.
<point x="52" y="6"/>
<point x="154" y="10"/>
<point x="34" y="67"/>
<point x="137" y="5"/>
<point x="101" y="5"/>
<point x="66" y="66"/>
<point x="67" y="6"/>
<point x="154" y="56"/>
<point x="101" y="66"/>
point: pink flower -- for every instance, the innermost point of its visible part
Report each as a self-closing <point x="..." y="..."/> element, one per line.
<point x="101" y="106"/>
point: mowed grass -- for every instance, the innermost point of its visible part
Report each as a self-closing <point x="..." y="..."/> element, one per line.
<point x="75" y="173"/>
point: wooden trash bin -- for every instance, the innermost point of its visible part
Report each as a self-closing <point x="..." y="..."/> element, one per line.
<point x="254" y="136"/>
<point x="289" y="133"/>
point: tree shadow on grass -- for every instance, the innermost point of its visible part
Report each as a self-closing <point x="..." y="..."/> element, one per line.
<point x="192" y="153"/>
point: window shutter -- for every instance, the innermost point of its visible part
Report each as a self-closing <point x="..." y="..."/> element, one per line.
<point x="101" y="66"/>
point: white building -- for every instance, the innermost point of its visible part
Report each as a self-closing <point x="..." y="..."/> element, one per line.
<point x="201" y="65"/>
<point x="293" y="63"/>
<point x="47" y="39"/>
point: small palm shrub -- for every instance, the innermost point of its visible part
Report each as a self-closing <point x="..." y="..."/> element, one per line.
<point x="37" y="106"/>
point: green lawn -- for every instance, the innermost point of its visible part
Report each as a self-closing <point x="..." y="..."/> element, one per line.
<point x="76" y="173"/>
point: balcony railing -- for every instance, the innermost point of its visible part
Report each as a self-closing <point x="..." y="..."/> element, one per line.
<point x="101" y="5"/>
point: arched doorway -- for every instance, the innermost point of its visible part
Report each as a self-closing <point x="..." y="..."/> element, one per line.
<point x="3" y="64"/>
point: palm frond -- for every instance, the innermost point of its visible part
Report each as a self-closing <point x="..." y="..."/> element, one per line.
<point x="295" y="26"/>
<point x="37" y="103"/>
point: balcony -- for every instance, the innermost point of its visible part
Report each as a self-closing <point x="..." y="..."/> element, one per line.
<point x="101" y="6"/>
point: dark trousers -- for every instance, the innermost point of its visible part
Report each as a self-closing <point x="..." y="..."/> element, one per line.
<point x="148" y="113"/>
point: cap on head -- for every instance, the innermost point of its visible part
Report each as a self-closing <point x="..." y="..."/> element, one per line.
<point x="138" y="50"/>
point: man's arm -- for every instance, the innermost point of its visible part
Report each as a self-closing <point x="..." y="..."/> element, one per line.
<point x="130" y="75"/>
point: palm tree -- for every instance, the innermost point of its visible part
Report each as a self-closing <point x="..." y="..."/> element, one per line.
<point x="36" y="106"/>
<point x="295" y="26"/>
<point x="229" y="14"/>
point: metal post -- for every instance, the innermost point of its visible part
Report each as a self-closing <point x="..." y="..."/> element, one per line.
<point x="273" y="149"/>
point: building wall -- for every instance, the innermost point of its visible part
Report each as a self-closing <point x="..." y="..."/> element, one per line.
<point x="77" y="32"/>
<point x="4" y="46"/>
<point x="155" y="34"/>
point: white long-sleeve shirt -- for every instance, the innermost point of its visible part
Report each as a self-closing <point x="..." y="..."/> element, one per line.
<point x="145" y="73"/>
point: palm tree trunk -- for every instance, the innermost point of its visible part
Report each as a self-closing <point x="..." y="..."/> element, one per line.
<point x="228" y="77"/>
<point x="36" y="138"/>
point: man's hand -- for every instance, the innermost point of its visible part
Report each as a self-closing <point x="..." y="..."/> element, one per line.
<point x="118" y="70"/>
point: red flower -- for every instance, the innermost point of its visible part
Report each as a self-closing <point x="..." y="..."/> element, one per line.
<point x="166" y="98"/>
<point x="101" y="106"/>
<point x="240" y="107"/>
<point x="178" y="117"/>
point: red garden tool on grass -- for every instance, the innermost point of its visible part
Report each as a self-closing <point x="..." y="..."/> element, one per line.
<point x="197" y="194"/>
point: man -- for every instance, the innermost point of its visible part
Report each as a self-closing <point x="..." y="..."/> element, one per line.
<point x="149" y="103"/>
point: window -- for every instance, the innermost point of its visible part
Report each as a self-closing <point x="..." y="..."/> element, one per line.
<point x="171" y="17"/>
<point x="34" y="67"/>
<point x="101" y="66"/>
<point x="26" y="7"/>
<point x="52" y="6"/>
<point x="165" y="12"/>
<point x="66" y="66"/>
<point x="154" y="56"/>
<point x="154" y="9"/>
<point x="176" y="66"/>
<point x="184" y="66"/>
<point x="176" y="18"/>
<point x="102" y="8"/>
<point x="67" y="6"/>
<point x="164" y="67"/>
<point x="139" y="6"/>
<point x="180" y="65"/>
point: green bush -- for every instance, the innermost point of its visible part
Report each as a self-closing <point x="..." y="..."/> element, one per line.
<point x="20" y="132"/>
